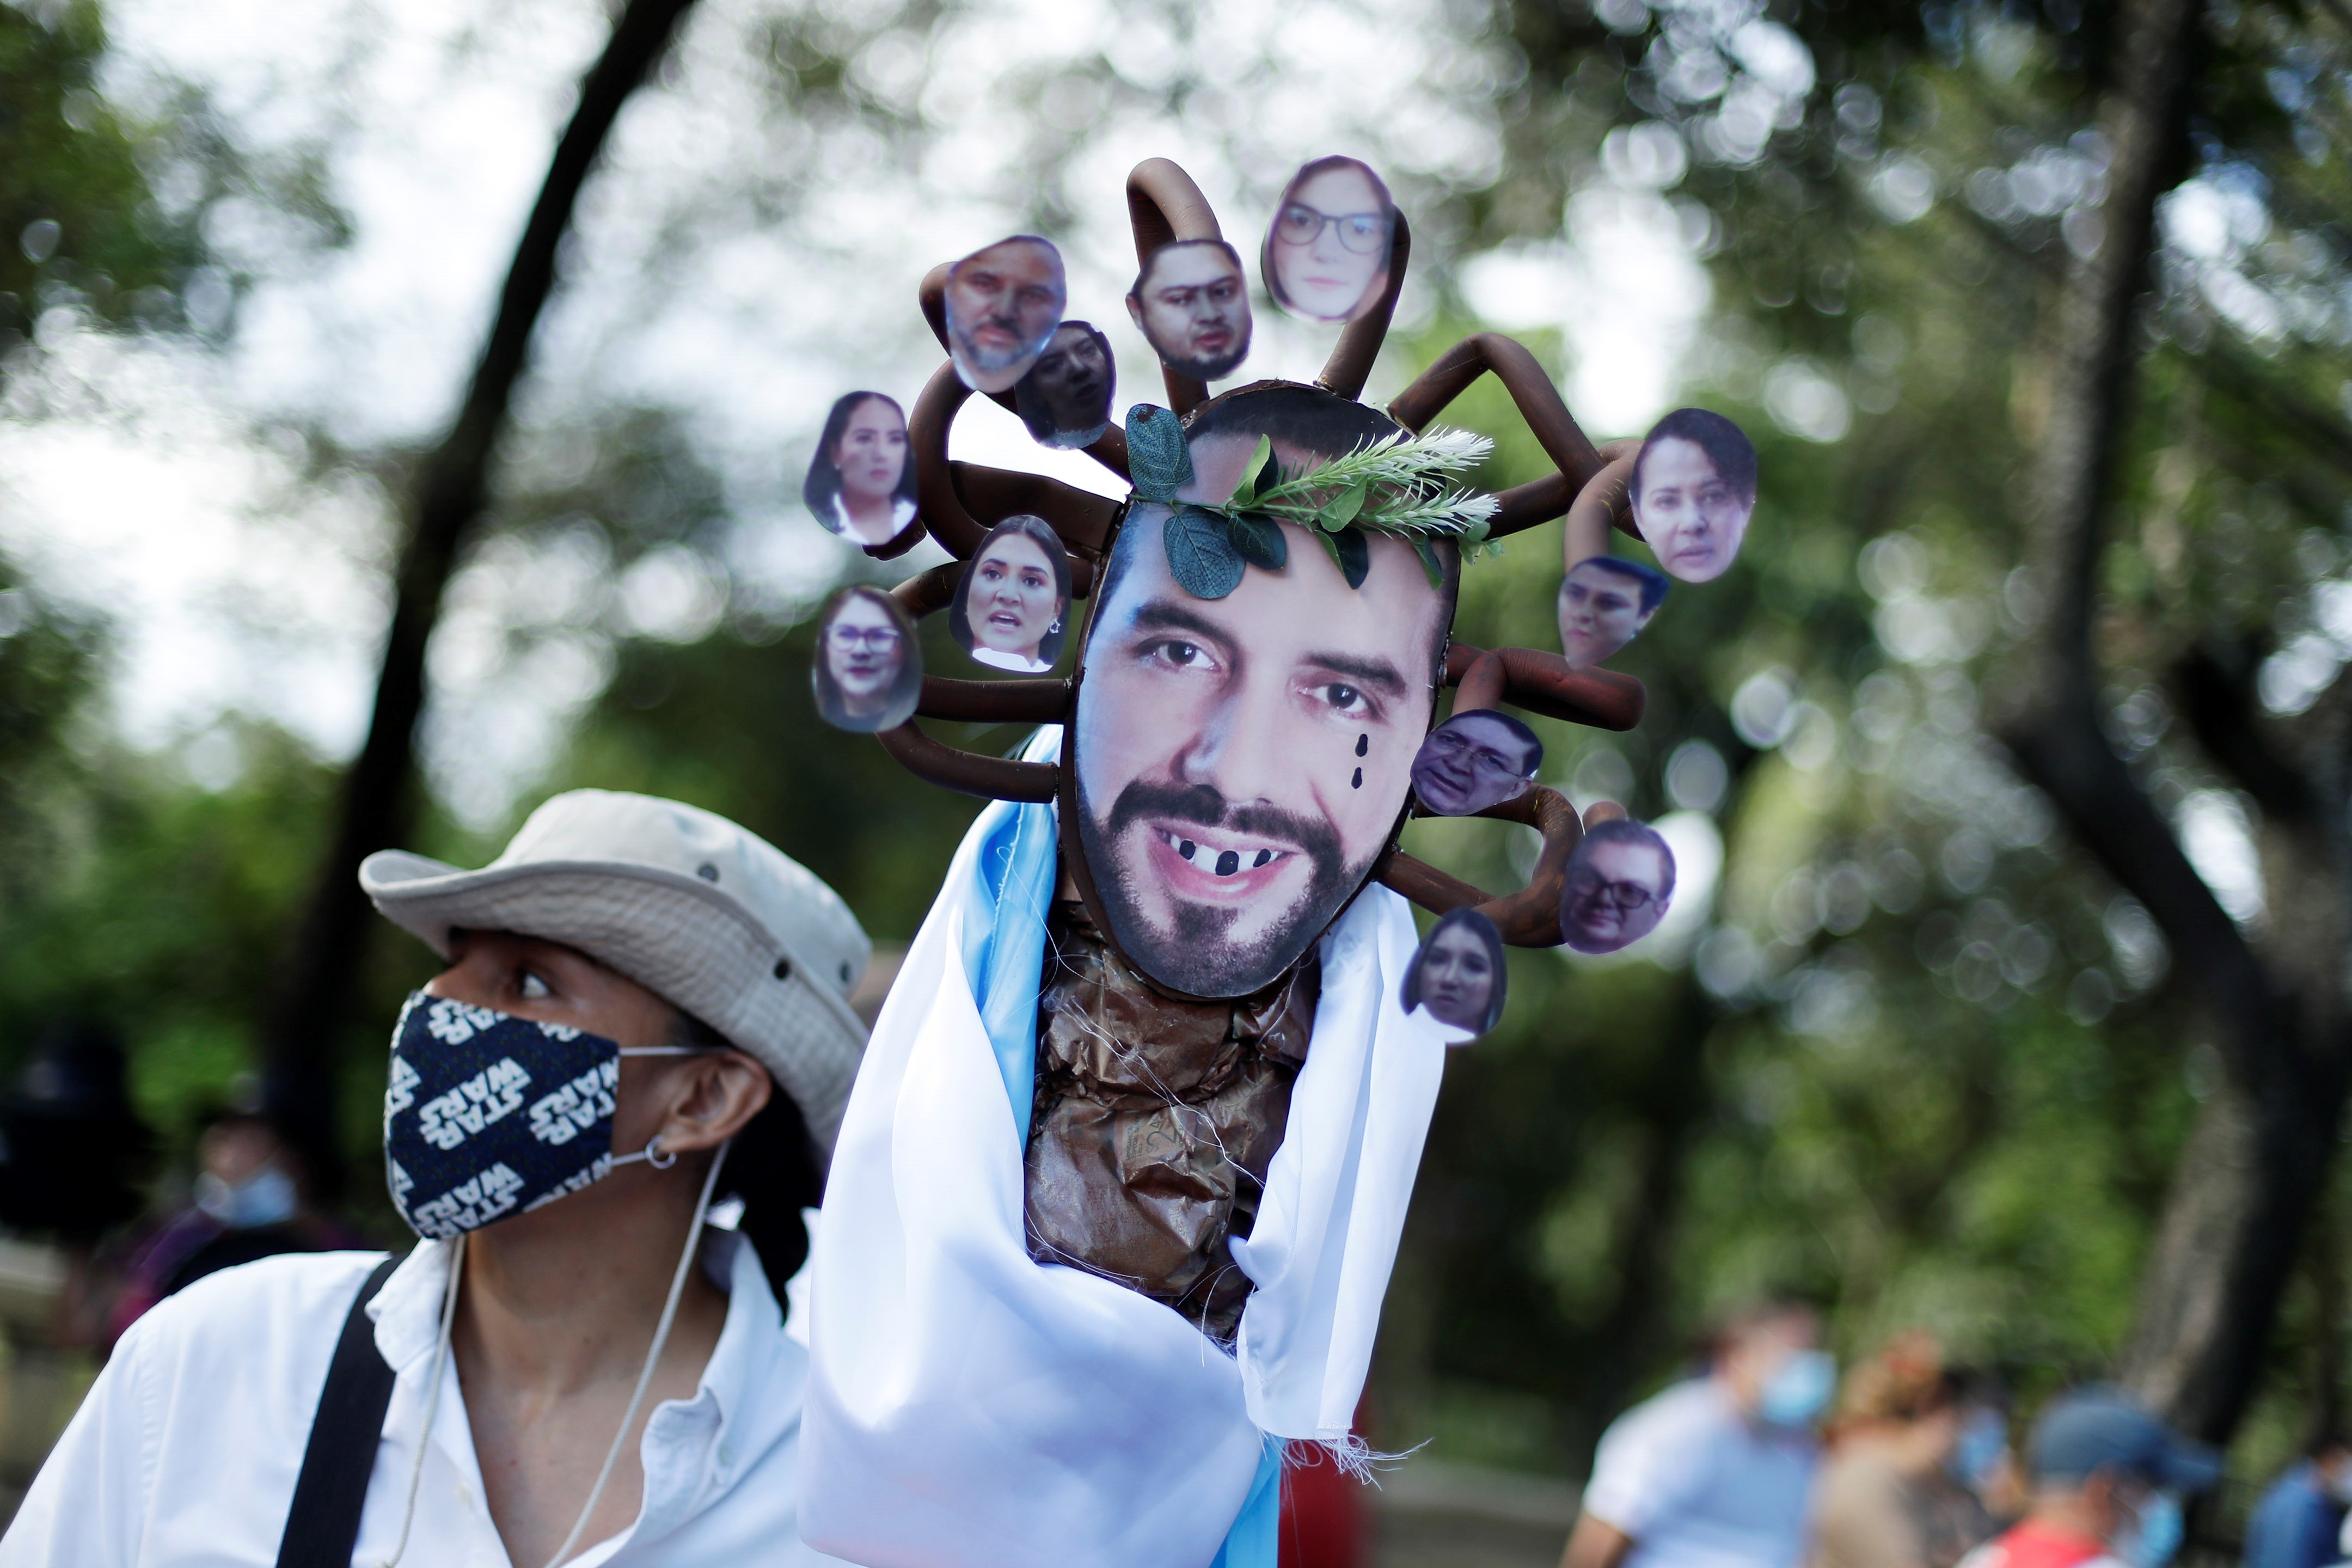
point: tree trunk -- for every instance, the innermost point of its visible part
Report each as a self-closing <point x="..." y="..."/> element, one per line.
<point x="449" y="494"/>
<point x="2244" y="1188"/>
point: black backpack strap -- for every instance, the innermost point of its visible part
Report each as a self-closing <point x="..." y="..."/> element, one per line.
<point x="323" y="1526"/>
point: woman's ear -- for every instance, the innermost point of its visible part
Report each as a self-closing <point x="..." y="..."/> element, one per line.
<point x="716" y="1096"/>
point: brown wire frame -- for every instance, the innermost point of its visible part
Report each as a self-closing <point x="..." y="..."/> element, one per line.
<point x="959" y="502"/>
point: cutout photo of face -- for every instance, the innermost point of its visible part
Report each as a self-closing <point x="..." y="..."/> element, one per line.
<point x="1694" y="490"/>
<point x="868" y="670"/>
<point x="860" y="484"/>
<point x="1475" y="760"/>
<point x="1604" y="603"/>
<point x="1458" y="977"/>
<point x="1190" y="302"/>
<point x="1620" y="882"/>
<point x="1003" y="304"/>
<point x="1327" y="253"/>
<point x="1065" y="400"/>
<point x="1013" y="601"/>
<point x="1240" y="762"/>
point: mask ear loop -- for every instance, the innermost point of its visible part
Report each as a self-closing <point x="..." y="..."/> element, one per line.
<point x="653" y="1356"/>
<point x="432" y="1395"/>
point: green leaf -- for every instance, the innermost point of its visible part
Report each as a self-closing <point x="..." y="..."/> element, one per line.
<point x="1341" y="509"/>
<point x="1435" y="568"/>
<point x="1158" y="460"/>
<point x="1353" y="552"/>
<point x="1246" y="491"/>
<point x="1201" y="553"/>
<point x="1259" y="538"/>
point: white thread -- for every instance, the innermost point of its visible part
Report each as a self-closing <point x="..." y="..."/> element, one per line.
<point x="653" y="1356"/>
<point x="432" y="1395"/>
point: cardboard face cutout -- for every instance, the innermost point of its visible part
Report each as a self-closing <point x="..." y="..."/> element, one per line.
<point x="1192" y="304"/>
<point x="1694" y="490"/>
<point x="1013" y="601"/>
<point x="1065" y="400"/>
<point x="1458" y="977"/>
<point x="868" y="670"/>
<point x="1242" y="761"/>
<point x="1475" y="760"/>
<point x="1604" y="603"/>
<point x="1620" y="881"/>
<point x="1326" y="251"/>
<point x="1003" y="304"/>
<point x="861" y="483"/>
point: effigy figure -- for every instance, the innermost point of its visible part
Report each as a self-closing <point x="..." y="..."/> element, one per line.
<point x="1118" y="1192"/>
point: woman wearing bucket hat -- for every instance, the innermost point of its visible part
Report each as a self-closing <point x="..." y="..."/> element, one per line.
<point x="644" y="1011"/>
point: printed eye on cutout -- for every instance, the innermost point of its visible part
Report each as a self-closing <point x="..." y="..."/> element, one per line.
<point x="1694" y="490"/>
<point x="868" y="670"/>
<point x="1475" y="760"/>
<point x="1004" y="302"/>
<point x="1326" y="251"/>
<point x="1620" y="881"/>
<point x="1458" y="977"/>
<point x="1011" y="605"/>
<point x="1605" y="601"/>
<point x="1065" y="400"/>
<point x="860" y="483"/>
<point x="1190" y="302"/>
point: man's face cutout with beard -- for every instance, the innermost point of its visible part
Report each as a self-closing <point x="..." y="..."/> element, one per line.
<point x="1242" y="761"/>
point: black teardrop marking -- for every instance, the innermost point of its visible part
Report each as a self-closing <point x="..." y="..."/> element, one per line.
<point x="1360" y="780"/>
<point x="1228" y="863"/>
<point x="1363" y="744"/>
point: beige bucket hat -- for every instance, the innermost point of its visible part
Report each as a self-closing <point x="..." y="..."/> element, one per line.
<point x="714" y="919"/>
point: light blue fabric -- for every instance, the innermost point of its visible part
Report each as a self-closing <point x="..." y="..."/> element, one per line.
<point x="1256" y="1539"/>
<point x="1004" y="953"/>
<point x="1004" y="927"/>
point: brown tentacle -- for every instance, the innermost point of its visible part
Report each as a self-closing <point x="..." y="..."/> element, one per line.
<point x="1528" y="918"/>
<point x="1360" y="343"/>
<point x="993" y="778"/>
<point x="1044" y="701"/>
<point x="1538" y="403"/>
<point x="1543" y="683"/>
<point x="1082" y="517"/>
<point x="1605" y="501"/>
<point x="926" y="592"/>
<point x="1163" y="205"/>
<point x="927" y="446"/>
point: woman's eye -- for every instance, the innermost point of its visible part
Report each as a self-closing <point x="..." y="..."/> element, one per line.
<point x="534" y="989"/>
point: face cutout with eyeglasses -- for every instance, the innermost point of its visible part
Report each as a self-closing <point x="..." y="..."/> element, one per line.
<point x="868" y="670"/>
<point x="1620" y="881"/>
<point x="1327" y="252"/>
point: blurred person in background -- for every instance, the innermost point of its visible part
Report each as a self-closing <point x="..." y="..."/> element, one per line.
<point x="2106" y="1482"/>
<point x="642" y="1009"/>
<point x="2299" y="1519"/>
<point x="251" y="1200"/>
<point x="1909" y="1452"/>
<point x="1715" y="1471"/>
<point x="73" y="1154"/>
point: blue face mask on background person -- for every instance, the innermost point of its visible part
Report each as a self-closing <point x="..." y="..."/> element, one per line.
<point x="265" y="1197"/>
<point x="487" y="1115"/>
<point x="2153" y="1533"/>
<point x="1983" y="1439"/>
<point x="1798" y="1389"/>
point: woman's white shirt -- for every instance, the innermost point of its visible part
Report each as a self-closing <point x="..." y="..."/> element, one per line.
<point x="902" y="512"/>
<point x="995" y="660"/>
<point x="186" y="1448"/>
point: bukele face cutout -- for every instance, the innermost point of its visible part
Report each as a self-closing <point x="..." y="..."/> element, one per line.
<point x="869" y="670"/>
<point x="1475" y="760"/>
<point x="1065" y="400"/>
<point x="1620" y="882"/>
<point x="1003" y="305"/>
<point x="1327" y="252"/>
<point x="1013" y="599"/>
<point x="1694" y="490"/>
<point x="1604" y="603"/>
<point x="1457" y="977"/>
<point x="1240" y="761"/>
<point x="1190" y="302"/>
<point x="860" y="483"/>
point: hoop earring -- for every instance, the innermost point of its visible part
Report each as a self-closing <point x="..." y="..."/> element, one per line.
<point x="655" y="1156"/>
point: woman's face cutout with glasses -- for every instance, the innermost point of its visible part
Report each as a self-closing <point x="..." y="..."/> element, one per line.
<point x="865" y="651"/>
<point x="1328" y="253"/>
<point x="1618" y="885"/>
